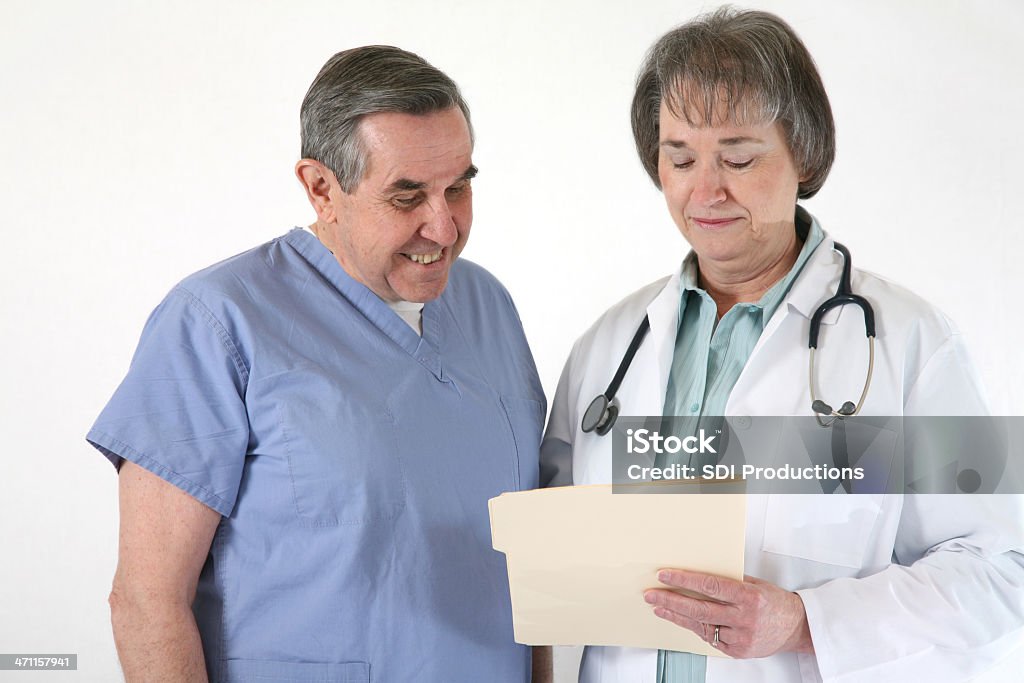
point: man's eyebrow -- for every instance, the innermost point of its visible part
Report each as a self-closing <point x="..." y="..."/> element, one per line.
<point x="407" y="185"/>
<point x="404" y="185"/>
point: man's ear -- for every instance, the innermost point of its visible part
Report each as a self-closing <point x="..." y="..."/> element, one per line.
<point x="319" y="183"/>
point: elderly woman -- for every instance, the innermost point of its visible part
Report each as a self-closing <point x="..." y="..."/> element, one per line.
<point x="732" y="123"/>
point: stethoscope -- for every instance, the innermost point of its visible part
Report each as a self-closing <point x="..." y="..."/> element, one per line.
<point x="602" y="412"/>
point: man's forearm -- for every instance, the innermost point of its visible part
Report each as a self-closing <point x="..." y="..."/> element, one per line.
<point x="542" y="664"/>
<point x="157" y="643"/>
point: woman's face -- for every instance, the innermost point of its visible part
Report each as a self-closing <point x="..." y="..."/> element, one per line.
<point x="731" y="190"/>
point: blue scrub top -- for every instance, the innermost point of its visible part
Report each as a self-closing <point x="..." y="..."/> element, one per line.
<point x="351" y="459"/>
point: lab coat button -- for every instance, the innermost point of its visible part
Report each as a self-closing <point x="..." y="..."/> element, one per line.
<point x="742" y="422"/>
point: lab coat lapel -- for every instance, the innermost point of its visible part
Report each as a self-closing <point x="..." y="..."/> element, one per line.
<point x="774" y="380"/>
<point x="663" y="312"/>
<point x="650" y="369"/>
<point x="817" y="281"/>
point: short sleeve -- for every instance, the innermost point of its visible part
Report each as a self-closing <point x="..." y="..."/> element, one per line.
<point x="180" y="412"/>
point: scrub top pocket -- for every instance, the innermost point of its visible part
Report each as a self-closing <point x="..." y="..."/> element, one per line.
<point x="526" y="419"/>
<point x="262" y="671"/>
<point x="343" y="461"/>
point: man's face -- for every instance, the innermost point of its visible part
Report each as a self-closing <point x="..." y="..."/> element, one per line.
<point x="401" y="228"/>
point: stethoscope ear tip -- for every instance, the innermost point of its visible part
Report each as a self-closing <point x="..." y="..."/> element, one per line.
<point x="822" y="408"/>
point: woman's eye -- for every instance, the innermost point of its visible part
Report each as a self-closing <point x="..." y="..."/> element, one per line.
<point x="683" y="164"/>
<point x="737" y="163"/>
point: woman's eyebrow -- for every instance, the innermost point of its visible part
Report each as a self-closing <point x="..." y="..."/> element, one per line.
<point x="727" y="142"/>
<point x="740" y="140"/>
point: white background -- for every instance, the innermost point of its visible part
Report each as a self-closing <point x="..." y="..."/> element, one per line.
<point x="142" y="142"/>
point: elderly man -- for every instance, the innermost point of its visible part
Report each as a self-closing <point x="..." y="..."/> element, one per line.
<point x="309" y="432"/>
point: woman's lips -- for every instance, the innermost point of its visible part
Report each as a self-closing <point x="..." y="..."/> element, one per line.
<point x="713" y="223"/>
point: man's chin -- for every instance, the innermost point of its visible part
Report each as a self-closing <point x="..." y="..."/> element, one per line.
<point x="420" y="292"/>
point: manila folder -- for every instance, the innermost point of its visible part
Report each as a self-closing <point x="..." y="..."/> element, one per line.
<point x="580" y="558"/>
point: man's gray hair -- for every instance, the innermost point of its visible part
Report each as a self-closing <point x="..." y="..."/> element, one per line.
<point x="752" y="64"/>
<point x="362" y="81"/>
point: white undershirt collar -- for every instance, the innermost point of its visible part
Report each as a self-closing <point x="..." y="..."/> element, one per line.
<point x="409" y="311"/>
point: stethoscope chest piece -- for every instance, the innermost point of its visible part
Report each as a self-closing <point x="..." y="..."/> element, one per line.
<point x="600" y="415"/>
<point x="602" y="411"/>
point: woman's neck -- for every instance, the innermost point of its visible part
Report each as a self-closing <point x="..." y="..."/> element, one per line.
<point x="728" y="288"/>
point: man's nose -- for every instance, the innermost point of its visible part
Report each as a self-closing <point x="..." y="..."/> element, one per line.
<point x="439" y="223"/>
<point x="709" y="186"/>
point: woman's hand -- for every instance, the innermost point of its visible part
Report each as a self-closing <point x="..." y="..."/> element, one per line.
<point x="754" y="618"/>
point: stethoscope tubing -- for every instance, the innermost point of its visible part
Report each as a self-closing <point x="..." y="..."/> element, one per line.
<point x="602" y="412"/>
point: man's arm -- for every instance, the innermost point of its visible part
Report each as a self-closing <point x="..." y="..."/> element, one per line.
<point x="164" y="540"/>
<point x="542" y="664"/>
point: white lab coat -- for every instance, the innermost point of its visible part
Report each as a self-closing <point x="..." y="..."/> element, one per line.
<point x="952" y="605"/>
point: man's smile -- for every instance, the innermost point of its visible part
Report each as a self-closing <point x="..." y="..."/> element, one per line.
<point x="425" y="259"/>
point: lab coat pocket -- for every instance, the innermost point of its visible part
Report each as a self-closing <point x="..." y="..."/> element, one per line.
<point x="526" y="420"/>
<point x="832" y="529"/>
<point x="263" y="670"/>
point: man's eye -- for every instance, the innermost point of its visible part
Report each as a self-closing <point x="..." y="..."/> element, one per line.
<point x="405" y="202"/>
<point x="456" y="190"/>
<point x="738" y="163"/>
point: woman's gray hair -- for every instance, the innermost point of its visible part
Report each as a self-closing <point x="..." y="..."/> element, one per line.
<point x="752" y="64"/>
<point x="362" y="81"/>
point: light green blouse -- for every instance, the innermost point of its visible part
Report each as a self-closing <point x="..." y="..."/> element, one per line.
<point x="708" y="359"/>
